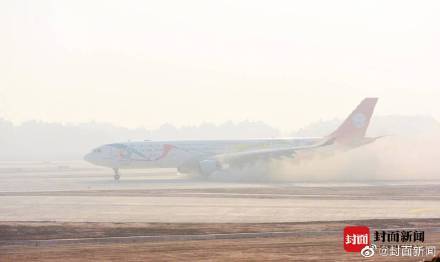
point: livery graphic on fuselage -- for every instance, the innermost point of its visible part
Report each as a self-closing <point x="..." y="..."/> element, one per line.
<point x="127" y="152"/>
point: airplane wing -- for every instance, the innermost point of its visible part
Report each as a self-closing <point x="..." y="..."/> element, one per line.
<point x="243" y="157"/>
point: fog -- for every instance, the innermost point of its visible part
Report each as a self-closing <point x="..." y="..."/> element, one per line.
<point x="99" y="99"/>
<point x="408" y="151"/>
<point x="147" y="63"/>
<point x="55" y="141"/>
<point x="389" y="158"/>
<point x="74" y="80"/>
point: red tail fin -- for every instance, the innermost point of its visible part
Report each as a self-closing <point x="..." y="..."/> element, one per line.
<point x="355" y="126"/>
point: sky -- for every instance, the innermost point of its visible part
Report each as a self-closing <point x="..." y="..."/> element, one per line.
<point x="146" y="63"/>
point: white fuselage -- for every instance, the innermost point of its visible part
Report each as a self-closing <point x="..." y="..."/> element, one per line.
<point x="173" y="154"/>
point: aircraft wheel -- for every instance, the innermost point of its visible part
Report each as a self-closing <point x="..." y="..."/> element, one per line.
<point x="116" y="176"/>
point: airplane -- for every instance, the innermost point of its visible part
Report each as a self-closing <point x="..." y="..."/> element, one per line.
<point x="204" y="157"/>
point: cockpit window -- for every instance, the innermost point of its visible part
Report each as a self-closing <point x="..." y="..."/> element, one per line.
<point x="98" y="150"/>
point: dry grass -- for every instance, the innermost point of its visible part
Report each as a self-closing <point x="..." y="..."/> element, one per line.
<point x="318" y="241"/>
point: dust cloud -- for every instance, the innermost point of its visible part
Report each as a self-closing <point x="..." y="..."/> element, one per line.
<point x="389" y="158"/>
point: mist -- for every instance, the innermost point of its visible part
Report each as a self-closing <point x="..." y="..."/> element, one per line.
<point x="42" y="141"/>
<point x="389" y="158"/>
<point x="409" y="150"/>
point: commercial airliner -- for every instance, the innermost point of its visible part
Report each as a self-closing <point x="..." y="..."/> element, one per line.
<point x="205" y="157"/>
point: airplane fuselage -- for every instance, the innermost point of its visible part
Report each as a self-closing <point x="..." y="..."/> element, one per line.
<point x="174" y="154"/>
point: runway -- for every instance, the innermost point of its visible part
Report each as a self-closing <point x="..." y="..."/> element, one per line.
<point x="78" y="192"/>
<point x="75" y="212"/>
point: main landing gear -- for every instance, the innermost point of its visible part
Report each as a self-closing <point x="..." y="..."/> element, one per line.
<point x="116" y="176"/>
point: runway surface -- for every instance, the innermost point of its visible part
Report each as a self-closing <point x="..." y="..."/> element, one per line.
<point x="78" y="192"/>
<point x="72" y="211"/>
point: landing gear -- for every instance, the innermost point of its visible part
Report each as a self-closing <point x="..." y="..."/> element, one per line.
<point x="116" y="176"/>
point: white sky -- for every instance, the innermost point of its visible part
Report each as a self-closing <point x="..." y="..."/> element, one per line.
<point x="287" y="63"/>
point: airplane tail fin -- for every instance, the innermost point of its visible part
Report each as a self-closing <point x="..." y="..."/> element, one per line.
<point x="353" y="129"/>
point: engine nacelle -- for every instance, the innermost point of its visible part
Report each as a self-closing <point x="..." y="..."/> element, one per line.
<point x="207" y="167"/>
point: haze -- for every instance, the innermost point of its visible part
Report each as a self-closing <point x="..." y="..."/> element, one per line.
<point x="145" y="63"/>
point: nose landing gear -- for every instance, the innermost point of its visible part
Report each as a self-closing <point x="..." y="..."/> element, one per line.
<point x="116" y="176"/>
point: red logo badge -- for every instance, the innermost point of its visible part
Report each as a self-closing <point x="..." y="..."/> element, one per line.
<point x="356" y="238"/>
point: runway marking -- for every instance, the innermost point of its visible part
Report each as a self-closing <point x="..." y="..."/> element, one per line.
<point x="132" y="239"/>
<point x="135" y="193"/>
